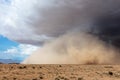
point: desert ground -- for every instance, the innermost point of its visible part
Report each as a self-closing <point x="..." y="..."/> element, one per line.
<point x="59" y="72"/>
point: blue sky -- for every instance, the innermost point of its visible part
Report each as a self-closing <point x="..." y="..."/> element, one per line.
<point x="5" y="45"/>
<point x="10" y="49"/>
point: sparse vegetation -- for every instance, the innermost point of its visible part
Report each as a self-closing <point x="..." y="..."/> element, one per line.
<point x="80" y="78"/>
<point x="61" y="78"/>
<point x="60" y="65"/>
<point x="110" y="73"/>
<point x="22" y="67"/>
<point x="40" y="67"/>
<point x="14" y="78"/>
<point x="33" y="67"/>
<point x="108" y="66"/>
<point x="35" y="79"/>
<point x="41" y="77"/>
<point x="58" y="72"/>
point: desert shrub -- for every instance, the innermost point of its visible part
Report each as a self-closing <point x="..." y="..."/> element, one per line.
<point x="66" y="79"/>
<point x="11" y="67"/>
<point x="33" y="67"/>
<point x="60" y="65"/>
<point x="35" y="79"/>
<point x="57" y="79"/>
<point x="14" y="78"/>
<point x="5" y="78"/>
<point x="110" y="73"/>
<point x="41" y="77"/>
<point x="80" y="78"/>
<point x="61" y="78"/>
<point x="40" y="67"/>
<point x="22" y="67"/>
<point x="108" y="67"/>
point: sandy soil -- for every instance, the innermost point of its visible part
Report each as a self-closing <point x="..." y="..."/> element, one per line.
<point x="59" y="72"/>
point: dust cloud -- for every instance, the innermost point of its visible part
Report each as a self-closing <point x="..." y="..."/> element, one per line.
<point x="75" y="48"/>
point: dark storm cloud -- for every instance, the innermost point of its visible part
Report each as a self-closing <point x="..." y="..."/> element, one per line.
<point x="73" y="14"/>
<point x="53" y="18"/>
<point x="110" y="30"/>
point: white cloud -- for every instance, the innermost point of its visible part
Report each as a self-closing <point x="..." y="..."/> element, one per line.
<point x="19" y="52"/>
<point x="21" y="49"/>
<point x="27" y="49"/>
<point x="12" y="50"/>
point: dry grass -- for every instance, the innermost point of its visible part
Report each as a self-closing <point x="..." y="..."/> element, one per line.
<point x="59" y="72"/>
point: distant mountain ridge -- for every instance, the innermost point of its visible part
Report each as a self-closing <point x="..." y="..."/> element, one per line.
<point x="9" y="61"/>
